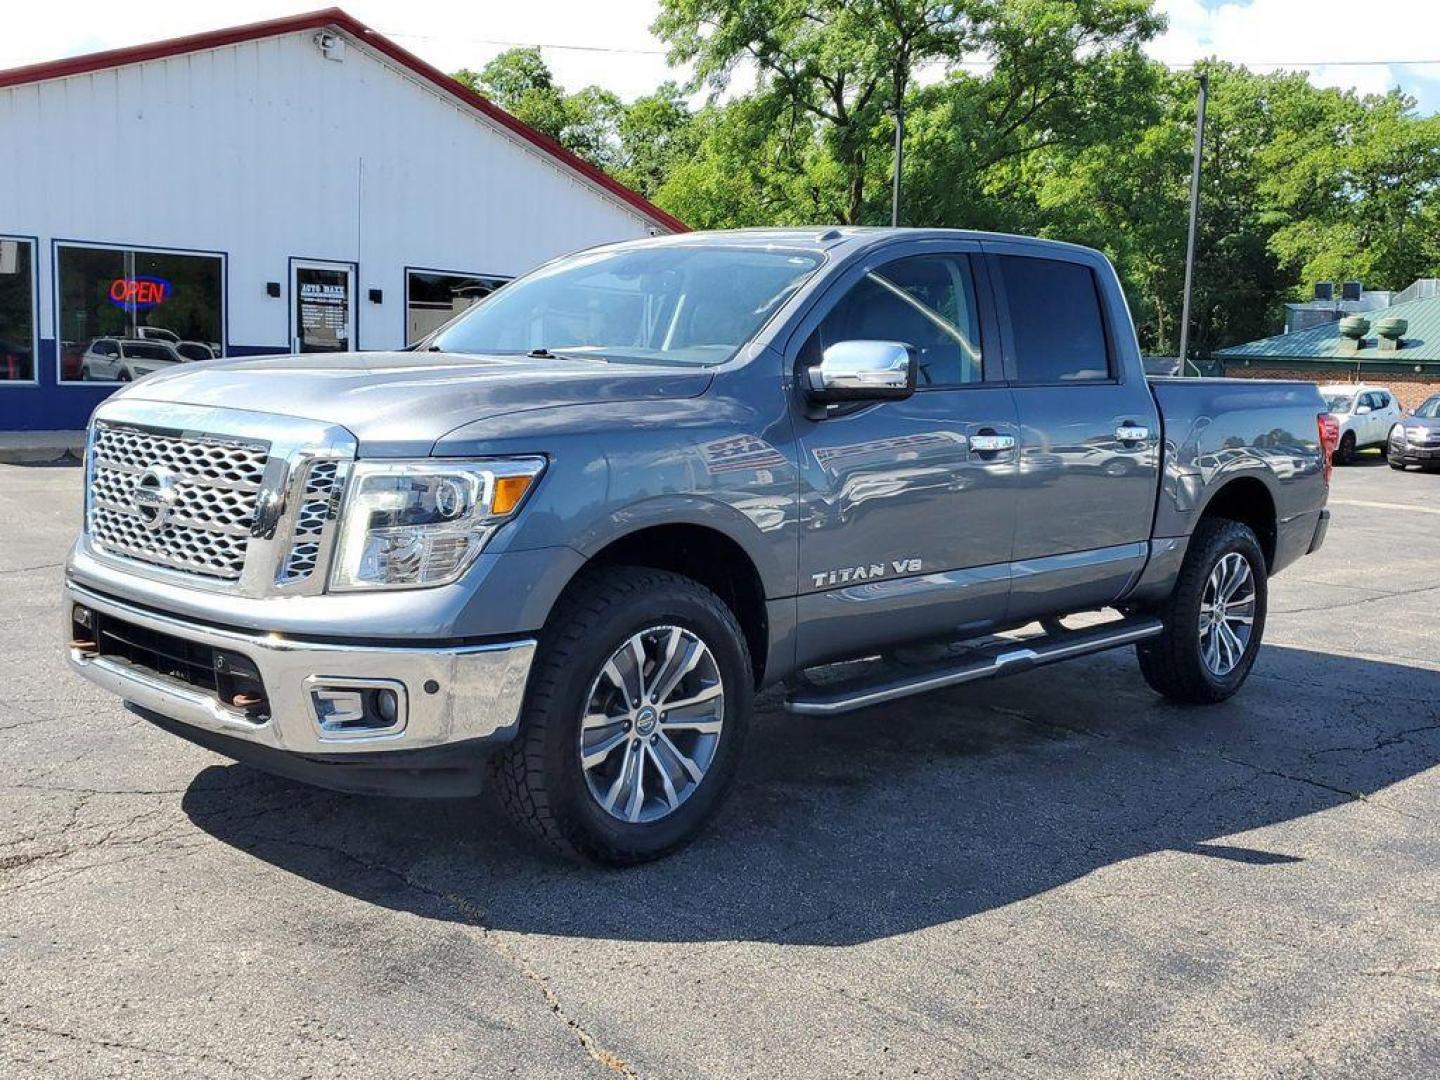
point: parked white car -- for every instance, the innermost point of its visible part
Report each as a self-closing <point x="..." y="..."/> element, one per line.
<point x="125" y="359"/>
<point x="1366" y="415"/>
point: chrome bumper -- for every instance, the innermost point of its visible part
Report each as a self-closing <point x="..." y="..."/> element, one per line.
<point x="452" y="694"/>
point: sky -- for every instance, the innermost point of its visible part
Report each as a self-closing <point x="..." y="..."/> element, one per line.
<point x="619" y="53"/>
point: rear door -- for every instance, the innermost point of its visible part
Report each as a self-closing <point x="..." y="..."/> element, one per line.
<point x="1089" y="429"/>
<point x="907" y="507"/>
<point x="1387" y="412"/>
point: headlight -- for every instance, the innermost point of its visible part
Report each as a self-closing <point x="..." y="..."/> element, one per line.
<point x="416" y="524"/>
<point x="1417" y="434"/>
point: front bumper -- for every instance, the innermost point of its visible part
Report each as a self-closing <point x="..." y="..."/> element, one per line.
<point x="453" y="695"/>
<point x="1408" y="453"/>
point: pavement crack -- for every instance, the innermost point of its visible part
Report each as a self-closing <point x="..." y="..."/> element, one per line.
<point x="28" y="569"/>
<point x="116" y="1044"/>
<point x="1356" y="603"/>
<point x="1393" y="739"/>
<point x="475" y="916"/>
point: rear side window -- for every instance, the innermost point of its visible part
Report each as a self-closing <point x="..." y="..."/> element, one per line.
<point x="1055" y="320"/>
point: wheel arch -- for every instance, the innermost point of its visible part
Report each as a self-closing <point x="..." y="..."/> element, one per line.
<point x="705" y="554"/>
<point x="1248" y="500"/>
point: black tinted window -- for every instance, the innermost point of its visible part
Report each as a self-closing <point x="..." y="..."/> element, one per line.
<point x="139" y="350"/>
<point x="1055" y="320"/>
<point x="926" y="302"/>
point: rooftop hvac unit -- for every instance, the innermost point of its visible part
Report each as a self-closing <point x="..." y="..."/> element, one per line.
<point x="1350" y="290"/>
<point x="1324" y="290"/>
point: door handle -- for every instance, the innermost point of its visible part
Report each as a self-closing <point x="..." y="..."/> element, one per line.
<point x="1132" y="433"/>
<point x="989" y="444"/>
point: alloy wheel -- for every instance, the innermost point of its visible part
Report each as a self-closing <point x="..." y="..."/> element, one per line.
<point x="652" y="723"/>
<point x="1227" y="614"/>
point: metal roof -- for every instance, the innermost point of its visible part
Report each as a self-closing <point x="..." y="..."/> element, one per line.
<point x="1420" y="345"/>
<point x="336" y="19"/>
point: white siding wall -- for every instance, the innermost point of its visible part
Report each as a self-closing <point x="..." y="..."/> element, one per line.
<point x="266" y="150"/>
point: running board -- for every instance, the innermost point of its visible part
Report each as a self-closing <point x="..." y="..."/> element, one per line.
<point x="1000" y="659"/>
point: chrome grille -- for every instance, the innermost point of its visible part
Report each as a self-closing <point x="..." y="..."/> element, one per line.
<point x="316" y="508"/>
<point x="216" y="484"/>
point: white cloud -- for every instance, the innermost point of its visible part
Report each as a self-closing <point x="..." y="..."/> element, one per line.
<point x="1262" y="34"/>
<point x="1329" y="38"/>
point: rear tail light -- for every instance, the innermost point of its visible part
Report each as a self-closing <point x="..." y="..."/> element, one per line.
<point x="1329" y="430"/>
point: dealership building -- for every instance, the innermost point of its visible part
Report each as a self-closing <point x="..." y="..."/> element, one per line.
<point x="298" y="185"/>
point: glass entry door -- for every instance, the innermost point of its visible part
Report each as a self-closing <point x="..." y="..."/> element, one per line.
<point x="323" y="318"/>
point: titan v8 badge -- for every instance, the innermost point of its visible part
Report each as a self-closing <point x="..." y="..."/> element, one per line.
<point x="869" y="572"/>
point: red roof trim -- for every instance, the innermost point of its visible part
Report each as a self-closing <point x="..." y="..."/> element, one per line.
<point x="340" y="20"/>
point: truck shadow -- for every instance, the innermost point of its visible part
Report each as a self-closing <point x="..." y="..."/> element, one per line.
<point x="855" y="828"/>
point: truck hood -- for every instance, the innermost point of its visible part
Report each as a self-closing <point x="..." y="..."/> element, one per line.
<point x="401" y="402"/>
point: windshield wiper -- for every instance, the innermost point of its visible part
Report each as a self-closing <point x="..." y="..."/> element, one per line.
<point x="542" y="353"/>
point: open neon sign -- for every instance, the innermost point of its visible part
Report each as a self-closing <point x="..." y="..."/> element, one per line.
<point x="139" y="293"/>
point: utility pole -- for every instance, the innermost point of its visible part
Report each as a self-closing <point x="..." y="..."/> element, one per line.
<point x="1194" y="214"/>
<point x="895" y="182"/>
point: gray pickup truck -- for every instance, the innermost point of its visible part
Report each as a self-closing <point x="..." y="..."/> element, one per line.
<point x="560" y="544"/>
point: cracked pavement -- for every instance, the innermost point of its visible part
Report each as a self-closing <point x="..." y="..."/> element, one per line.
<point x="1054" y="873"/>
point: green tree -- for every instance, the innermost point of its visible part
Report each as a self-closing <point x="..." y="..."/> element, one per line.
<point x="1358" y="188"/>
<point x="832" y="71"/>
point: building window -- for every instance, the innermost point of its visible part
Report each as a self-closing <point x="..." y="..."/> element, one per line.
<point x="17" y="310"/>
<point x="432" y="299"/>
<point x="175" y="300"/>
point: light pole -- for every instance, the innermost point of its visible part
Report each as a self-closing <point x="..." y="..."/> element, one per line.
<point x="1194" y="213"/>
<point x="895" y="181"/>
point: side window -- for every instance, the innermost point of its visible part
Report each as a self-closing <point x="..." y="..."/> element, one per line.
<point x="1055" y="320"/>
<point x="927" y="302"/>
<point x="1384" y="400"/>
<point x="107" y="348"/>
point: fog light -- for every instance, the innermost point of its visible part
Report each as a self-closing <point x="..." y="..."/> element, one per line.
<point x="346" y="708"/>
<point x="388" y="706"/>
<point x="84" y="617"/>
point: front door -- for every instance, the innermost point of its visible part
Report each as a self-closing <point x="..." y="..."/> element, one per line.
<point x="907" y="508"/>
<point x="1089" y="433"/>
<point x="322" y="317"/>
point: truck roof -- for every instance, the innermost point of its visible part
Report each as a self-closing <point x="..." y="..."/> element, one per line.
<point x="827" y="237"/>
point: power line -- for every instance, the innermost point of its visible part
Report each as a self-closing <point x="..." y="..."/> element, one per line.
<point x="1190" y="66"/>
<point x="524" y="44"/>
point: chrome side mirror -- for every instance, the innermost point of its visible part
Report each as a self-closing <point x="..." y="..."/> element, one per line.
<point x="863" y="371"/>
<point x="1362" y="410"/>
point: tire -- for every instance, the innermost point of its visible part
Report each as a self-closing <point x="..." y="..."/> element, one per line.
<point x="124" y="376"/>
<point x="1174" y="663"/>
<point x="1345" y="452"/>
<point x="539" y="778"/>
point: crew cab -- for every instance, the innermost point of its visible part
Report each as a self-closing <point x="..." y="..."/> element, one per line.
<point x="560" y="544"/>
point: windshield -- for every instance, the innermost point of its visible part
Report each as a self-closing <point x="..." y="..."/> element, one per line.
<point x="1429" y="409"/>
<point x="673" y="304"/>
<point x="1339" y="403"/>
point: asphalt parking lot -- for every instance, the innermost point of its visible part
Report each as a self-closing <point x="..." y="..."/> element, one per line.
<point x="1050" y="874"/>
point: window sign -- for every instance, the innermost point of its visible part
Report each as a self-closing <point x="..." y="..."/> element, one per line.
<point x="141" y="293"/>
<point x="432" y="299"/>
<point x="324" y="310"/>
<point x="125" y="294"/>
<point x="17" y="310"/>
